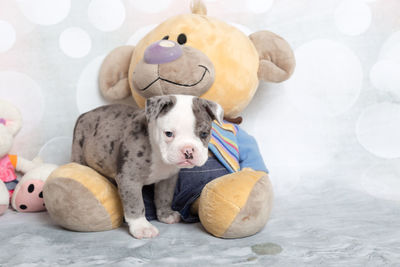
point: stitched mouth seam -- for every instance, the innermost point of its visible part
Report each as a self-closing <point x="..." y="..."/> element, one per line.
<point x="184" y="85"/>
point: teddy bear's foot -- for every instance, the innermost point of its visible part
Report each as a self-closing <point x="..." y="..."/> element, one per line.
<point x="29" y="196"/>
<point x="236" y="205"/>
<point x="79" y="199"/>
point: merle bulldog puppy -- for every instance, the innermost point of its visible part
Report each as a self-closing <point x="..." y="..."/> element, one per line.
<point x="140" y="147"/>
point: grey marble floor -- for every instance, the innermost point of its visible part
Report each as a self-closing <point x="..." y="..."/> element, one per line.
<point x="325" y="225"/>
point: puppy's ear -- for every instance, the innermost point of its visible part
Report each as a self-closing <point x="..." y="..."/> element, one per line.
<point x="157" y="106"/>
<point x="213" y="109"/>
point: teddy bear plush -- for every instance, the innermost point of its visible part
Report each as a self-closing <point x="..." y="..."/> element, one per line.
<point x="198" y="55"/>
<point x="26" y="195"/>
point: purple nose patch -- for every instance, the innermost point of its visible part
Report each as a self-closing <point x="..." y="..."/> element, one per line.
<point x="163" y="51"/>
<point x="2" y="121"/>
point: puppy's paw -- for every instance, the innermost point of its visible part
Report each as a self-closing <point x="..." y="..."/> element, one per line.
<point x="141" y="228"/>
<point x="169" y="217"/>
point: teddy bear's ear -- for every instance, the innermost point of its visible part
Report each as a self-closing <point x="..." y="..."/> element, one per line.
<point x="198" y="7"/>
<point x="113" y="77"/>
<point x="276" y="56"/>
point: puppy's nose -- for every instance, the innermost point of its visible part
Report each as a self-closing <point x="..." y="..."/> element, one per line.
<point x="163" y="51"/>
<point x="188" y="152"/>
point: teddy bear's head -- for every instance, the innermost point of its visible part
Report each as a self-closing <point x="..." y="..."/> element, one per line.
<point x="10" y="124"/>
<point x="197" y="55"/>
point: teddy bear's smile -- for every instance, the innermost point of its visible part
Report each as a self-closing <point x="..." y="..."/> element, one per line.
<point x="171" y="69"/>
<point x="177" y="83"/>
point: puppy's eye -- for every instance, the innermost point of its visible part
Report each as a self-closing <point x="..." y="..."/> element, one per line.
<point x="182" y="39"/>
<point x="204" y="135"/>
<point x="165" y="37"/>
<point x="169" y="134"/>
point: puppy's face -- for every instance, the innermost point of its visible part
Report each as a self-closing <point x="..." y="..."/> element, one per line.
<point x="180" y="126"/>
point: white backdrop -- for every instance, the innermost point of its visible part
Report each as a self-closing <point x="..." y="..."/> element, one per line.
<point x="336" y="119"/>
<point x="329" y="135"/>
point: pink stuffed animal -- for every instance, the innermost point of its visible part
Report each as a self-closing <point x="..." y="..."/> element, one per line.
<point x="26" y="195"/>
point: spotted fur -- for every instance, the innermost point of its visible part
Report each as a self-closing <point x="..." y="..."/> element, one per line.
<point x="124" y="143"/>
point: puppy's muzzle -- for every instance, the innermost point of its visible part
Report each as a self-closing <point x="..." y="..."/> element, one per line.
<point x="188" y="152"/>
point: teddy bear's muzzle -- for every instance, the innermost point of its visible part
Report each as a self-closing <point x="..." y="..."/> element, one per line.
<point x="170" y="68"/>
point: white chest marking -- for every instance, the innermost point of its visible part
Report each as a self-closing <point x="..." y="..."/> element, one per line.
<point x="159" y="170"/>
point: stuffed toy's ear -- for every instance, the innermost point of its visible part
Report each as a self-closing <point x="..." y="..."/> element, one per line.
<point x="159" y="105"/>
<point x="10" y="117"/>
<point x="213" y="109"/>
<point x="113" y="77"/>
<point x="276" y="57"/>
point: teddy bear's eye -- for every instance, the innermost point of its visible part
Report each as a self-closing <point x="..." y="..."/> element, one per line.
<point x="182" y="39"/>
<point x="165" y="37"/>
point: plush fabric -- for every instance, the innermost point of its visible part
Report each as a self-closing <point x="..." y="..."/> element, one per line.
<point x="4" y="197"/>
<point x="10" y="117"/>
<point x="114" y="75"/>
<point x="236" y="64"/>
<point x="7" y="169"/>
<point x="93" y="199"/>
<point x="255" y="213"/>
<point x="28" y="194"/>
<point x="23" y="196"/>
<point x="231" y="196"/>
<point x="269" y="45"/>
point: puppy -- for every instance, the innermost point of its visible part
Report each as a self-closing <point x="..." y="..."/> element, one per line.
<point x="140" y="147"/>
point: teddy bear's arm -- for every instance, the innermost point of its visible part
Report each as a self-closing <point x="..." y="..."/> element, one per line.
<point x="277" y="60"/>
<point x="113" y="78"/>
<point x="249" y="153"/>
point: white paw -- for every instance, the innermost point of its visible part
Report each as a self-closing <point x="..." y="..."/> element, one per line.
<point x="175" y="217"/>
<point x="141" y="228"/>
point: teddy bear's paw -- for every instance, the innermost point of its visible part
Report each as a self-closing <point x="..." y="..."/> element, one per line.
<point x="29" y="197"/>
<point x="169" y="217"/>
<point x="141" y="228"/>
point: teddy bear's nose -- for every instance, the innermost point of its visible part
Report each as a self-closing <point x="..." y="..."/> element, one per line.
<point x="163" y="51"/>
